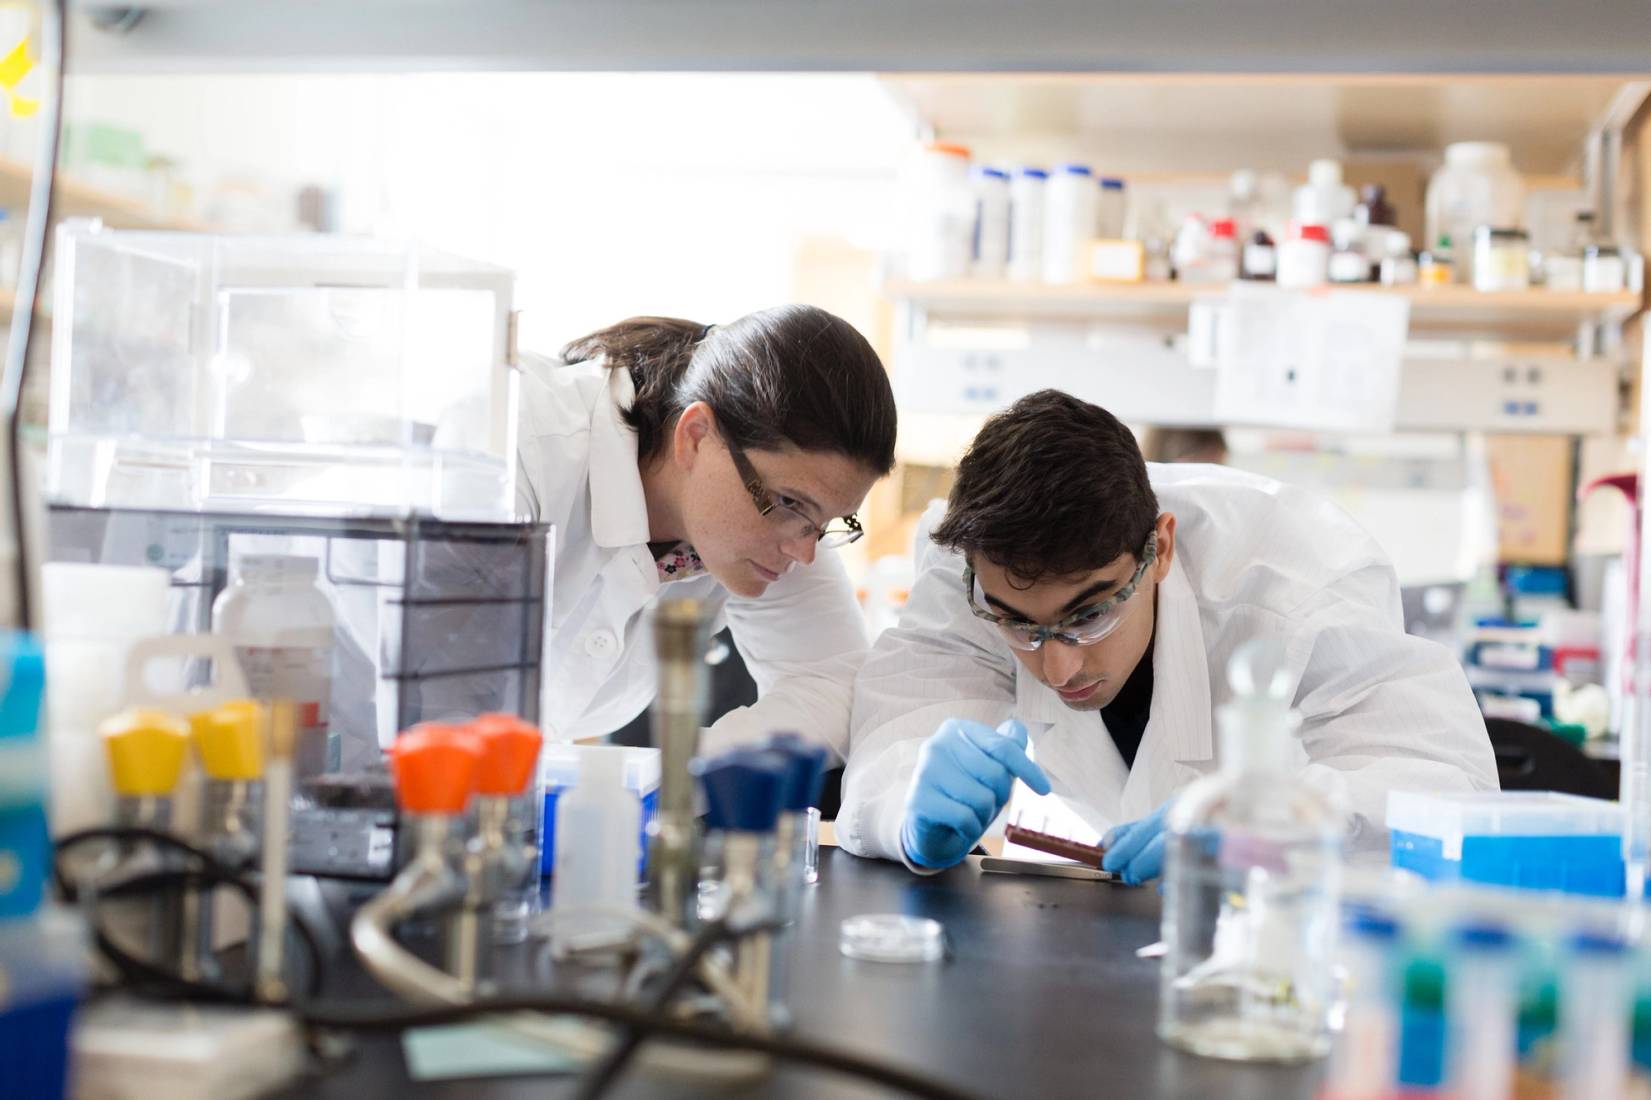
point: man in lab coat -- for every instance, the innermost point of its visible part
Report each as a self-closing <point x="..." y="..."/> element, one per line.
<point x="1075" y="602"/>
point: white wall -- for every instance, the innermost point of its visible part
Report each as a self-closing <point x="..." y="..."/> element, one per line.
<point x="608" y="194"/>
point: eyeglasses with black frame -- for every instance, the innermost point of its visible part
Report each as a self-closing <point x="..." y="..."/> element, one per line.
<point x="1086" y="626"/>
<point x="783" y="510"/>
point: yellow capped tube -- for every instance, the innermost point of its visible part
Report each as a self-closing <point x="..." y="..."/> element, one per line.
<point x="146" y="751"/>
<point x="229" y="739"/>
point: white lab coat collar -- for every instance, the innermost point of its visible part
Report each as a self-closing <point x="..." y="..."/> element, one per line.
<point x="618" y="506"/>
<point x="1179" y="726"/>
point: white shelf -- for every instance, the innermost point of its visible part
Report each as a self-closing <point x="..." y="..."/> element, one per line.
<point x="76" y="199"/>
<point x="1521" y="314"/>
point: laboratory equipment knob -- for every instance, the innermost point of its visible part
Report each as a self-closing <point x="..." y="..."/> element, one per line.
<point x="435" y="769"/>
<point x="146" y="751"/>
<point x="229" y="739"/>
<point x="743" y="789"/>
<point x="510" y="753"/>
<point x="805" y="770"/>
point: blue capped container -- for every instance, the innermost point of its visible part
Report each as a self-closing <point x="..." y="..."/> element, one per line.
<point x="1535" y="840"/>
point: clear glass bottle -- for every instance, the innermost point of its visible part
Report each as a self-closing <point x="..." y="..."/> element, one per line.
<point x="1251" y="887"/>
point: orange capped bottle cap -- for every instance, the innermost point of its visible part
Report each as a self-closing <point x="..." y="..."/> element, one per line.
<point x="510" y="752"/>
<point x="435" y="769"/>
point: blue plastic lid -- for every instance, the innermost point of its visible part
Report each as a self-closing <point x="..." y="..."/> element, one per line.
<point x="1482" y="935"/>
<point x="1372" y="925"/>
<point x="1034" y="173"/>
<point x="1112" y="183"/>
<point x="1536" y="580"/>
<point x="743" y="789"/>
<point x="1598" y="943"/>
<point x="1076" y="169"/>
<point x="992" y="173"/>
<point x="805" y="774"/>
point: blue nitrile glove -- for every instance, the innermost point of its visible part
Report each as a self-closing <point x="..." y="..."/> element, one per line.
<point x="964" y="775"/>
<point x="1136" y="851"/>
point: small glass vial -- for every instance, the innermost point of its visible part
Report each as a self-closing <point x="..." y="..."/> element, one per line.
<point x="1501" y="259"/>
<point x="1596" y="1011"/>
<point x="1603" y="270"/>
<point x="1251" y="888"/>
<point x="1436" y="266"/>
<point x="1364" y="1063"/>
<point x="1348" y="263"/>
<point x="1482" y="1013"/>
<point x="1399" y="265"/>
<point x="1259" y="261"/>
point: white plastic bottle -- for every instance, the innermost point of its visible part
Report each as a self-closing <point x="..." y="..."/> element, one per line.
<point x="991" y="239"/>
<point x="1113" y="209"/>
<point x="1070" y="219"/>
<point x="598" y="848"/>
<point x="1477" y="185"/>
<point x="1252" y="886"/>
<point x="1026" y="214"/>
<point x="939" y="212"/>
<point x="1324" y="199"/>
<point x="282" y="627"/>
<point x="1304" y="258"/>
<point x="93" y="615"/>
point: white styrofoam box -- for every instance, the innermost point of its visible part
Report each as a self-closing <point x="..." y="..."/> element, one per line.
<point x="132" y="1050"/>
<point x="1134" y="373"/>
<point x="1527" y="394"/>
<point x="1451" y="816"/>
<point x="1143" y="377"/>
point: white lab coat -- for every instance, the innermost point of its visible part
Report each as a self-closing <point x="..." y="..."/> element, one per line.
<point x="802" y="640"/>
<point x="1381" y="710"/>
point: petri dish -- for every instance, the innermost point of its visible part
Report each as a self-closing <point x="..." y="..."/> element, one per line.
<point x="892" y="937"/>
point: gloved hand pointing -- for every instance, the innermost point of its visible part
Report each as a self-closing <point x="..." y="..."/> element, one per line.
<point x="965" y="774"/>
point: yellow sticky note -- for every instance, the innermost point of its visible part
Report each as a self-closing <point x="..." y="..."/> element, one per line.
<point x="16" y="65"/>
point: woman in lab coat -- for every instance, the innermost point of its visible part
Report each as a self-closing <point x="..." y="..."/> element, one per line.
<point x="722" y="463"/>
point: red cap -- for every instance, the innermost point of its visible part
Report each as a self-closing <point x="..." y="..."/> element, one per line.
<point x="1224" y="227"/>
<point x="1312" y="233"/>
<point x="435" y="768"/>
<point x="510" y="751"/>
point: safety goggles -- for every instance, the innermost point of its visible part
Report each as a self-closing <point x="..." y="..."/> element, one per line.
<point x="1086" y="626"/>
<point x="787" y="514"/>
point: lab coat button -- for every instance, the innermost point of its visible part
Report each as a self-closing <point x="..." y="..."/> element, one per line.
<point x="601" y="643"/>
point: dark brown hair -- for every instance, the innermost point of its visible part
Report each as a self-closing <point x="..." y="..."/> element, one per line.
<point x="792" y="374"/>
<point x="1051" y="486"/>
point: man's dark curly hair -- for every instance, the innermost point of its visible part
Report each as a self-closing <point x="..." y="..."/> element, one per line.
<point x="1052" y="486"/>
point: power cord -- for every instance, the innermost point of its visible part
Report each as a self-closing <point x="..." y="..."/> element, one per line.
<point x="638" y="1024"/>
<point x="36" y="231"/>
<point x="145" y="976"/>
<point x="790" y="1049"/>
<point x="606" y="1072"/>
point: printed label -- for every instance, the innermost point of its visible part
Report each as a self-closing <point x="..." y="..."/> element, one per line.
<point x="303" y="675"/>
